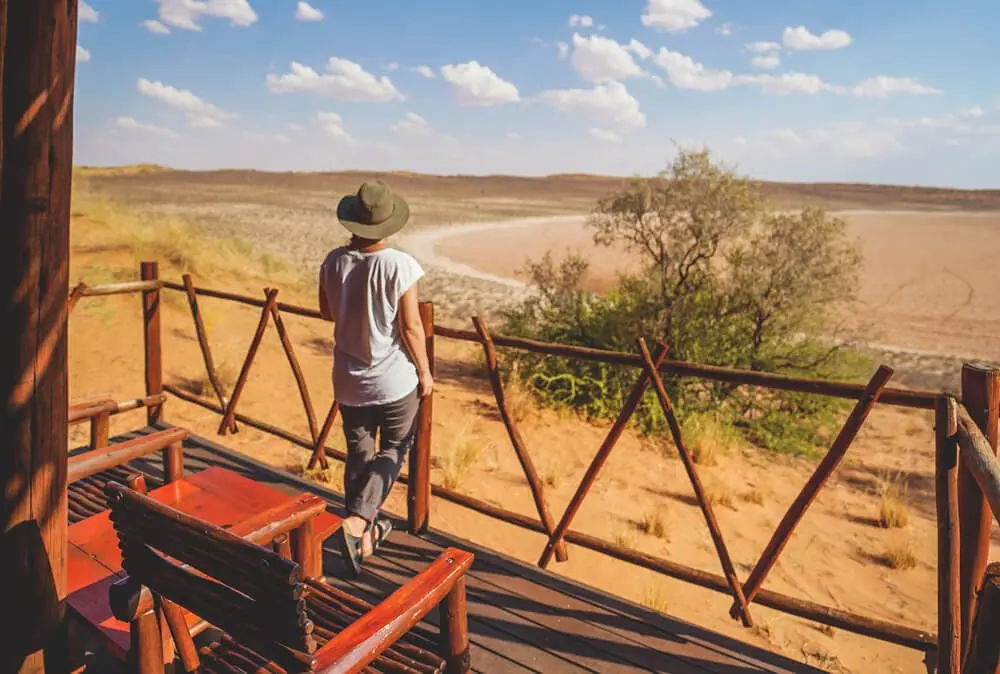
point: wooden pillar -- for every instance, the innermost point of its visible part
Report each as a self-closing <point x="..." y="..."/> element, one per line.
<point x="38" y="60"/>
<point x="981" y="397"/>
<point x="984" y="644"/>
<point x="150" y="271"/>
<point x="418" y="489"/>
<point x="949" y="654"/>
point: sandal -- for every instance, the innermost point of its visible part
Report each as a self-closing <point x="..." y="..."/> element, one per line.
<point x="350" y="550"/>
<point x="382" y="527"/>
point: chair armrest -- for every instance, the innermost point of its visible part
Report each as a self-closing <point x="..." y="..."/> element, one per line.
<point x="93" y="462"/>
<point x="366" y="638"/>
<point x="89" y="409"/>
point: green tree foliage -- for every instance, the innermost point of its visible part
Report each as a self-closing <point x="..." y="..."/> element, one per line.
<point x="722" y="279"/>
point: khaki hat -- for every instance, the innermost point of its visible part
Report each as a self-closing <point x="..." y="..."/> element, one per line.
<point x="375" y="212"/>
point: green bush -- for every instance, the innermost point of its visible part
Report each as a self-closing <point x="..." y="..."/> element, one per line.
<point x="723" y="280"/>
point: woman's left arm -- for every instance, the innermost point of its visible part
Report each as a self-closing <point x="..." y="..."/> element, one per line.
<point x="324" y="307"/>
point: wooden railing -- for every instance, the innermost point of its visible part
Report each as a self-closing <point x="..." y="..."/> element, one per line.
<point x="967" y="484"/>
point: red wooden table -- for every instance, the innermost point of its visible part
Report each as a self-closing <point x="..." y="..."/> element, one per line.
<point x="216" y="495"/>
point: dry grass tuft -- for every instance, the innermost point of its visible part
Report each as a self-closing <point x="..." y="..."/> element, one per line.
<point x="707" y="438"/>
<point x="332" y="475"/>
<point x="655" y="599"/>
<point x="460" y="453"/>
<point x="721" y="495"/>
<point x="654" y="523"/>
<point x="520" y="401"/>
<point x="900" y="555"/>
<point x="893" y="505"/>
<point x="755" y="495"/>
<point x="625" y="540"/>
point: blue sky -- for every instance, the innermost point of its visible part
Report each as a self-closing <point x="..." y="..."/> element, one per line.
<point x="804" y="90"/>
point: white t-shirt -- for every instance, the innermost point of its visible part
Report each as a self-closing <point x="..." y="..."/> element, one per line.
<point x="371" y="365"/>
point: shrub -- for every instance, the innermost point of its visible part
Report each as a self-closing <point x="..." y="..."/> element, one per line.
<point x="719" y="277"/>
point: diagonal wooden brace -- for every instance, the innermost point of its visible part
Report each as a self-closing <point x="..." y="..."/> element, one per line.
<point x="319" y="448"/>
<point x="601" y="458"/>
<point x="819" y="477"/>
<point x="293" y="362"/>
<point x="206" y="351"/>
<point x="534" y="481"/>
<point x="728" y="570"/>
<point x="230" y="410"/>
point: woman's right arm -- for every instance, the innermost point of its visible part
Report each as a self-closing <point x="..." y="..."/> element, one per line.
<point x="412" y="332"/>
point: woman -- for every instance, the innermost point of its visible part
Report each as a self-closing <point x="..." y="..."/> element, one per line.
<point x="380" y="365"/>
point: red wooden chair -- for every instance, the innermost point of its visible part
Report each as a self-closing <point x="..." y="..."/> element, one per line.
<point x="273" y="618"/>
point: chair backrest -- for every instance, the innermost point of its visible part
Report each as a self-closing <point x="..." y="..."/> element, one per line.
<point x="249" y="592"/>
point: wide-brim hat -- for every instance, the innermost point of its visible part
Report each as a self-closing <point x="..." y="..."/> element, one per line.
<point x="375" y="212"/>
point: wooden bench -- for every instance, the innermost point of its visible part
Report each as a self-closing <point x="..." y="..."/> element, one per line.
<point x="247" y="508"/>
<point x="275" y="618"/>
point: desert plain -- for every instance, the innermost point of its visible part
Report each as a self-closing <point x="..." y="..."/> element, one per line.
<point x="929" y="301"/>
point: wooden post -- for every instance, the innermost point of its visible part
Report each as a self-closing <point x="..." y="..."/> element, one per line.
<point x="981" y="397"/>
<point x="984" y="643"/>
<point x="527" y="465"/>
<point x="817" y="480"/>
<point x="455" y="630"/>
<point x="699" y="491"/>
<point x="150" y="271"/>
<point x="949" y="655"/>
<point x="419" y="485"/>
<point x="100" y="430"/>
<point x="173" y="462"/>
<point x="306" y="551"/>
<point x="617" y="428"/>
<point x="37" y="62"/>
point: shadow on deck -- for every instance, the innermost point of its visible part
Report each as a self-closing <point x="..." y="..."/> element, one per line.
<point x="521" y="618"/>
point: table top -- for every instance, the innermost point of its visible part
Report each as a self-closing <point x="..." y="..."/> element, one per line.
<point x="216" y="495"/>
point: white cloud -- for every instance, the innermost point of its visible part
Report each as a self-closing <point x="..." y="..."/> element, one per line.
<point x="605" y="135"/>
<point x="513" y="135"/>
<point x="343" y="80"/>
<point x="975" y="112"/>
<point x="800" y="39"/>
<point x="476" y="85"/>
<point x="333" y="125"/>
<point x="600" y="59"/>
<point x="725" y="30"/>
<point x="610" y="103"/>
<point x="563" y="50"/>
<point x="763" y="47"/>
<point x="639" y="49"/>
<point x="790" y="83"/>
<point x="412" y="123"/>
<point x="153" y="130"/>
<point x="391" y="67"/>
<point x="82" y="55"/>
<point x="845" y="139"/>
<point x="767" y="62"/>
<point x="86" y="13"/>
<point x="684" y="73"/>
<point x="306" y="12"/>
<point x="154" y="26"/>
<point x="583" y="21"/>
<point x="198" y="112"/>
<point x="425" y="71"/>
<point x="186" y="14"/>
<point x="882" y="86"/>
<point x="674" y="16"/>
<point x="293" y="127"/>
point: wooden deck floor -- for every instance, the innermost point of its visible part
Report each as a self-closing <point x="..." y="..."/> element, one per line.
<point x="521" y="618"/>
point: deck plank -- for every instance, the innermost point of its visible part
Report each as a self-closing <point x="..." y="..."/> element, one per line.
<point x="521" y="618"/>
<point x="578" y="639"/>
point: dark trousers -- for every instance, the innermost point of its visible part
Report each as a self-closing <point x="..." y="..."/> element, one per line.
<point x="369" y="475"/>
